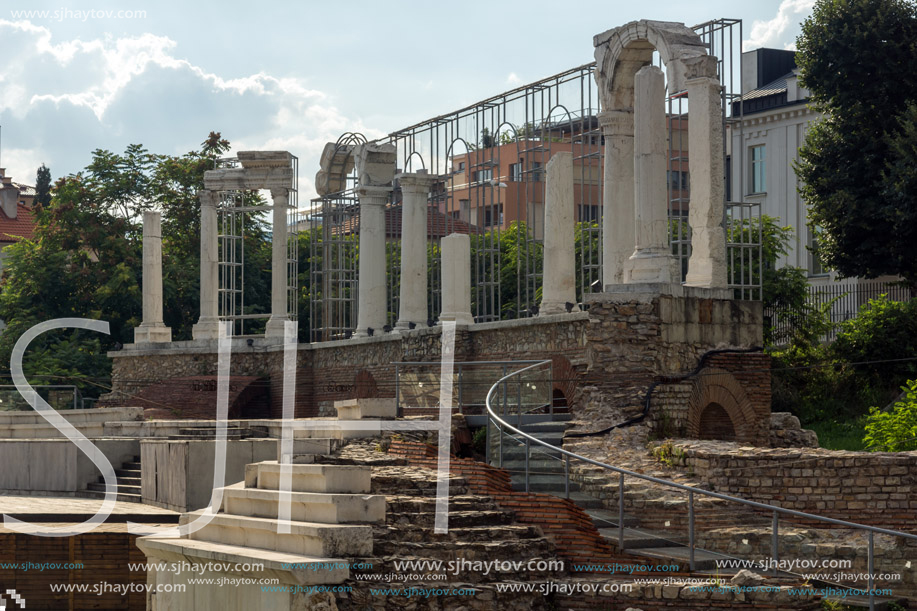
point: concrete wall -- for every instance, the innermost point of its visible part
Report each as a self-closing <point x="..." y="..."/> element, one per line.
<point x="57" y="465"/>
<point x="178" y="475"/>
<point x="90" y="422"/>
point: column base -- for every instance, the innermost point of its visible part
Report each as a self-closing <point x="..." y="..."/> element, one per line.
<point x="548" y="308"/>
<point x="656" y="266"/>
<point x="206" y="328"/>
<point x="460" y="318"/>
<point x="276" y="326"/>
<point x="403" y="326"/>
<point x="153" y="333"/>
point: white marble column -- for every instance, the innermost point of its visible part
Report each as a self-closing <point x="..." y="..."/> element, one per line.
<point x="456" y="269"/>
<point x="279" y="256"/>
<point x="208" y="325"/>
<point x="371" y="299"/>
<point x="707" y="265"/>
<point x="412" y="304"/>
<point x="652" y="261"/>
<point x="152" y="328"/>
<point x="559" y="279"/>
<point x="618" y="194"/>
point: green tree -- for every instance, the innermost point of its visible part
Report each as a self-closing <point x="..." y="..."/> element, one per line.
<point x="43" y="186"/>
<point x="856" y="57"/>
<point x="894" y="430"/>
<point x="85" y="260"/>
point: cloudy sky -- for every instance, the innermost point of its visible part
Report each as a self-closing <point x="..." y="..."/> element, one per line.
<point x="75" y="77"/>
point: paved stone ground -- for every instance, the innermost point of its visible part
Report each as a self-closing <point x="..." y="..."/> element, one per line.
<point x="70" y="510"/>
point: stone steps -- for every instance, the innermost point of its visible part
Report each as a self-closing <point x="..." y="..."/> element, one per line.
<point x="304" y="538"/>
<point x="464" y="534"/>
<point x="128" y="484"/>
<point x="351" y="479"/>
<point x="276" y="564"/>
<point x="449" y="550"/>
<point x="325" y="508"/>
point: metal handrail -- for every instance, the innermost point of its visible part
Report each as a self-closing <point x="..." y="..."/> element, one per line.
<point x="691" y="490"/>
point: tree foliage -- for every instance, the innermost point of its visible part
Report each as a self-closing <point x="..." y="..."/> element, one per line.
<point x="85" y="260"/>
<point x="894" y="430"/>
<point x="43" y="186"/>
<point x="856" y="57"/>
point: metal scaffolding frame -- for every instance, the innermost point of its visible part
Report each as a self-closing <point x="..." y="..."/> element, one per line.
<point x="490" y="158"/>
<point x="235" y="210"/>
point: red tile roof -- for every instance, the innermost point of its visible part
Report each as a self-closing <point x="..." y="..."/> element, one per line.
<point x="23" y="226"/>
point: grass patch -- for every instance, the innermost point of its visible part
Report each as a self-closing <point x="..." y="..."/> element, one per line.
<point x="840" y="435"/>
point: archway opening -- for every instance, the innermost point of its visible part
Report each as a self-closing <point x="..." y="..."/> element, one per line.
<point x="715" y="423"/>
<point x="559" y="401"/>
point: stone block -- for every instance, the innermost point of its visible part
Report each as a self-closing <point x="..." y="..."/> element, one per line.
<point x="311" y="478"/>
<point x="358" y="409"/>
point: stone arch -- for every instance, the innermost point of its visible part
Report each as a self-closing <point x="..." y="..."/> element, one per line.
<point x="718" y="394"/>
<point x="622" y="51"/>
<point x="364" y="385"/>
<point x="563" y="378"/>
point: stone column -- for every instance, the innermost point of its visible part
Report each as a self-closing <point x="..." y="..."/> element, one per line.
<point x="152" y="328"/>
<point x="279" y="256"/>
<point x="371" y="299"/>
<point x="559" y="285"/>
<point x="208" y="325"/>
<point x="652" y="261"/>
<point x="415" y="190"/>
<point x="707" y="265"/>
<point x="618" y="195"/>
<point x="456" y="265"/>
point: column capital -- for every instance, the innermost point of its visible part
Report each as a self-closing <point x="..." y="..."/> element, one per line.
<point x="278" y="192"/>
<point x="416" y="182"/>
<point x="372" y="195"/>
<point x="702" y="81"/>
<point x="617" y="122"/>
<point x="208" y="197"/>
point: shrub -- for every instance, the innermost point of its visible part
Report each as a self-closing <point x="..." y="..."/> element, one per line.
<point x="894" y="430"/>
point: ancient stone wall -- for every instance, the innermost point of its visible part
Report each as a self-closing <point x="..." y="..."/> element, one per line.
<point x="874" y="487"/>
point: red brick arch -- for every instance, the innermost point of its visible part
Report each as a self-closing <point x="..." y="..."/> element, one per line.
<point x="364" y="385"/>
<point x="717" y="391"/>
<point x="564" y="377"/>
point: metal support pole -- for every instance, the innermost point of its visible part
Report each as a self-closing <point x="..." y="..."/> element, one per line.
<point x="397" y="391"/>
<point x="775" y="552"/>
<point x="519" y="403"/>
<point x="621" y="513"/>
<point x="691" y="529"/>
<point x="526" y="464"/>
<point x="500" y="444"/>
<point x="461" y="385"/>
<point x="871" y="569"/>
<point x="567" y="476"/>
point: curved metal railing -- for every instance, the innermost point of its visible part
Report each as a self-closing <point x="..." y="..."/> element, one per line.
<point x="504" y="426"/>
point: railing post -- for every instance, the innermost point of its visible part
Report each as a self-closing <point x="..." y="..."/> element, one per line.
<point x="871" y="568"/>
<point x="500" y="444"/>
<point x="397" y="390"/>
<point x="505" y="397"/>
<point x="775" y="538"/>
<point x="488" y="451"/>
<point x="526" y="464"/>
<point x="691" y="529"/>
<point x="621" y="513"/>
<point x="567" y="475"/>
<point x="461" y="385"/>
<point x="519" y="404"/>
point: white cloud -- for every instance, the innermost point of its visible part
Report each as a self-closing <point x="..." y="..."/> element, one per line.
<point x="137" y="89"/>
<point x="772" y="33"/>
<point x="513" y="79"/>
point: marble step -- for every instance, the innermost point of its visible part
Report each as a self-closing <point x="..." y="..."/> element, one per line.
<point x="351" y="479"/>
<point x="324" y="508"/>
<point x="286" y="567"/>
<point x="305" y="538"/>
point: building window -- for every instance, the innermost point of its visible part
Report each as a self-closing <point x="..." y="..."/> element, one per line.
<point x="589" y="214"/>
<point x="482" y="175"/>
<point x="493" y="215"/>
<point x="678" y="180"/>
<point x="515" y="172"/>
<point x="815" y="265"/>
<point x="758" y="169"/>
<point x="461" y="167"/>
<point x="536" y="171"/>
